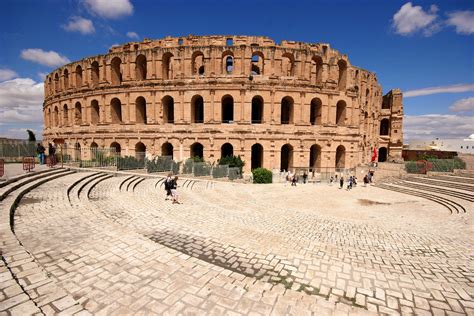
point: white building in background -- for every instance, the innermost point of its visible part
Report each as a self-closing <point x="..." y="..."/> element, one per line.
<point x="465" y="146"/>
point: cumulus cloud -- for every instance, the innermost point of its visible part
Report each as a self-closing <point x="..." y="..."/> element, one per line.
<point x="132" y="35"/>
<point x="79" y="24"/>
<point x="456" y="88"/>
<point x="42" y="75"/>
<point x="411" y="19"/>
<point x="109" y="9"/>
<point x="430" y="126"/>
<point x="51" y="58"/>
<point x="7" y="74"/>
<point x="462" y="20"/>
<point x="20" y="132"/>
<point x="463" y="105"/>
<point x="21" y="101"/>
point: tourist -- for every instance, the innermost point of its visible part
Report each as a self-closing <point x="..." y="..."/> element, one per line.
<point x="341" y="182"/>
<point x="349" y="183"/>
<point x="51" y="154"/>
<point x="40" y="151"/>
<point x="366" y="180"/>
<point x="174" y="190"/>
<point x="168" y="182"/>
<point x="354" y="181"/>
<point x="294" y="179"/>
<point x="305" y="176"/>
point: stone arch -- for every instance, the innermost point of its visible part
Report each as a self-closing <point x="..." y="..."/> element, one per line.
<point x="197" y="63"/>
<point x="167" y="149"/>
<point x="94" y="149"/>
<point x="116" y="72"/>
<point x="66" y="79"/>
<point x="95" y="112"/>
<point x="116" y="111"/>
<point x="257" y="109"/>
<point x="116" y="148"/>
<point x="342" y="67"/>
<point x="48" y="118"/>
<point x="227" y="107"/>
<point x="286" y="157"/>
<point x="49" y="86"/>
<point x="197" y="109"/>
<point x="78" y="113"/>
<point x="316" y="69"/>
<point x="167" y="65"/>
<point x="384" y="127"/>
<point x="65" y="115"/>
<point x="256" y="156"/>
<point x="340" y="157"/>
<point x="287" y="109"/>
<point x="78" y="76"/>
<point x="257" y="63"/>
<point x="341" y="113"/>
<point x="168" y="109"/>
<point x="227" y="150"/>
<point x="383" y="154"/>
<point x="95" y="73"/>
<point x="77" y="151"/>
<point x="287" y="64"/>
<point x="227" y="62"/>
<point x="56" y="117"/>
<point x="56" y="83"/>
<point x="140" y="110"/>
<point x="140" y="151"/>
<point x="140" y="67"/>
<point x="197" y="150"/>
<point x="315" y="157"/>
<point x="315" y="111"/>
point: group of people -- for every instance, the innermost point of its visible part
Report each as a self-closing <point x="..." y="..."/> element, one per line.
<point x="293" y="178"/>
<point x="40" y="151"/>
<point x="171" y="186"/>
<point x="352" y="180"/>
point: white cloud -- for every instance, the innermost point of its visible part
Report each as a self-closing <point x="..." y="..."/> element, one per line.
<point x="133" y="35"/>
<point x="20" y="132"/>
<point x="430" y="126"/>
<point x="410" y="19"/>
<point x="463" y="105"/>
<point x="51" y="58"/>
<point x="110" y="9"/>
<point x="462" y="20"/>
<point x="21" y="100"/>
<point x="79" y="24"/>
<point x="7" y="74"/>
<point x="456" y="88"/>
<point x="42" y="75"/>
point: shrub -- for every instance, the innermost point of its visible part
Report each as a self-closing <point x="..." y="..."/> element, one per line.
<point x="262" y="175"/>
<point x="232" y="161"/>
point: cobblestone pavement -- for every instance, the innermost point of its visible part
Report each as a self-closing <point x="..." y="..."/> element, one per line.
<point x="243" y="249"/>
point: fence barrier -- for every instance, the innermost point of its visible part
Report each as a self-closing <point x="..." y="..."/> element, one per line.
<point x="2" y="167"/>
<point x="17" y="150"/>
<point x="434" y="165"/>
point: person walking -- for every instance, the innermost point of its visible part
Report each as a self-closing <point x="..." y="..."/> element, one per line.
<point x="40" y="151"/>
<point x="168" y="182"/>
<point x="51" y="154"/>
<point x="174" y="190"/>
<point x="341" y="182"/>
<point x="305" y="176"/>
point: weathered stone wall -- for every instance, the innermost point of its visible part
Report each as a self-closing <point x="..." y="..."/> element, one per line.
<point x="306" y="96"/>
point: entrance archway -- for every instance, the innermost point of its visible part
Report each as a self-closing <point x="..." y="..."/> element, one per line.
<point x="197" y="150"/>
<point x="257" y="156"/>
<point x="383" y="153"/>
<point x="140" y="151"/>
<point x="340" y="157"/>
<point x="167" y="150"/>
<point x="286" y="155"/>
<point x="227" y="150"/>
<point x="315" y="157"/>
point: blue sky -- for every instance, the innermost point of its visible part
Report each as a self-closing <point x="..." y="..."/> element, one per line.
<point x="410" y="45"/>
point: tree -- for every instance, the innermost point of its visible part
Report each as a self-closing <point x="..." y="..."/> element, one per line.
<point x="31" y="135"/>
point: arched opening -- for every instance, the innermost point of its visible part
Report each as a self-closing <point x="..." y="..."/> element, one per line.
<point x="287" y="65"/>
<point x="228" y="63"/>
<point x="78" y="76"/>
<point x="48" y="118"/>
<point x="198" y="63"/>
<point x="257" y="64"/>
<point x="50" y="86"/>
<point x="342" y="65"/>
<point x="56" y="82"/>
<point x="227" y="109"/>
<point x="140" y="67"/>
<point x="197" y="109"/>
<point x="256" y="156"/>
<point x="340" y="157"/>
<point x="116" y="148"/>
<point x="315" y="157"/>
<point x="197" y="150"/>
<point x="65" y="115"/>
<point x="384" y="127"/>
<point x="56" y="116"/>
<point x="383" y="154"/>
<point x="227" y="150"/>
<point x="116" y="71"/>
<point x="116" y="107"/>
<point x="167" y="66"/>
<point x="95" y="112"/>
<point x="94" y="151"/>
<point x="140" y="110"/>
<point x="66" y="79"/>
<point x="140" y="151"/>
<point x="168" y="109"/>
<point x="316" y="69"/>
<point x="340" y="113"/>
<point x="286" y="157"/>
<point x="315" y="111"/>
<point x="95" y="73"/>
<point x="78" y="113"/>
<point x="77" y="151"/>
<point x="167" y="150"/>
<point x="286" y="110"/>
<point x="257" y="110"/>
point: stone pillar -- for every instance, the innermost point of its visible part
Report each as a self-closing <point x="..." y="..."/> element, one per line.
<point x="208" y="108"/>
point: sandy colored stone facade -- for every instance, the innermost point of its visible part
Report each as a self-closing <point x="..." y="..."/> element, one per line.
<point x="280" y="106"/>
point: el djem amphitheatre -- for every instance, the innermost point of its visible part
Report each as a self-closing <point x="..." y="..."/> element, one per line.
<point x="278" y="106"/>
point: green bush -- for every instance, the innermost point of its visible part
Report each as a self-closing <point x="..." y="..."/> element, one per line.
<point x="232" y="161"/>
<point x="262" y="175"/>
<point x="129" y="162"/>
